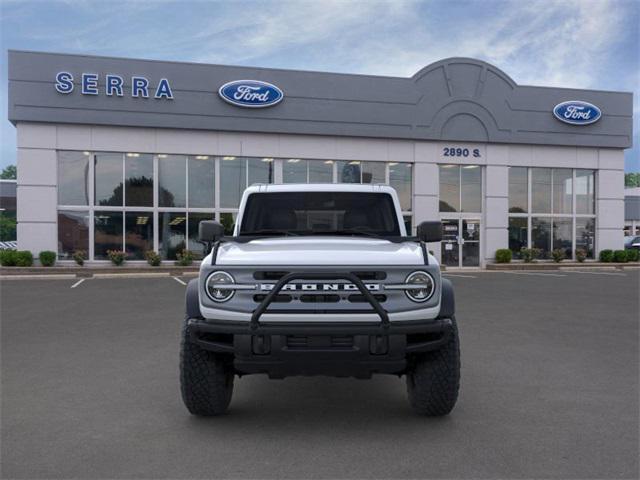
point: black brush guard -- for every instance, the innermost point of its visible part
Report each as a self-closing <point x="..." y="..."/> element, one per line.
<point x="262" y="308"/>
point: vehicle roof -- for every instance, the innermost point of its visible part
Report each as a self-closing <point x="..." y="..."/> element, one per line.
<point x="320" y="187"/>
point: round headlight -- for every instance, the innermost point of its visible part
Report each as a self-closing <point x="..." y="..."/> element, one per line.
<point x="215" y="286"/>
<point x="425" y="286"/>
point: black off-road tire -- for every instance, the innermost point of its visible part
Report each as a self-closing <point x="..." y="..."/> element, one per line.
<point x="433" y="380"/>
<point x="206" y="382"/>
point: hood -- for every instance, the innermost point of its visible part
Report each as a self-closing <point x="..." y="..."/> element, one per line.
<point x="320" y="251"/>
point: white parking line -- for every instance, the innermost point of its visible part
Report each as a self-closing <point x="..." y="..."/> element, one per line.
<point x="178" y="280"/>
<point x="456" y="275"/>
<point x="78" y="283"/>
<point x="598" y="273"/>
<point x="536" y="273"/>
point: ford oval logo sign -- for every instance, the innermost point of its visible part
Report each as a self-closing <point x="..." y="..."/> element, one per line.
<point x="577" y="112"/>
<point x="251" y="93"/>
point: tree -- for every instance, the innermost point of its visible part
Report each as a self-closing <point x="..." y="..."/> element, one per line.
<point x="9" y="172"/>
<point x="632" y="180"/>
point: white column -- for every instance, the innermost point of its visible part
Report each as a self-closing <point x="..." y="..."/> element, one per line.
<point x="496" y="210"/>
<point x="37" y="188"/>
<point x="426" y="188"/>
<point x="610" y="200"/>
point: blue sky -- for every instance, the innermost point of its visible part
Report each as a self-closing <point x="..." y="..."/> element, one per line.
<point x="568" y="43"/>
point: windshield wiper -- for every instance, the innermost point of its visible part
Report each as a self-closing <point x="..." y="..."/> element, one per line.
<point x="270" y="231"/>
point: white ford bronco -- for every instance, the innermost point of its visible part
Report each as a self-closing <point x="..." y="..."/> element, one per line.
<point x="319" y="280"/>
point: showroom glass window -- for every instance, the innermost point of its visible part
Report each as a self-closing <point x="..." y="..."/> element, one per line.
<point x="551" y="209"/>
<point x="138" y="177"/>
<point x="460" y="188"/>
<point x="73" y="178"/>
<point x="137" y="202"/>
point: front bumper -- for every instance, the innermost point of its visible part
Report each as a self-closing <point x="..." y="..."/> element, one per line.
<point x="342" y="350"/>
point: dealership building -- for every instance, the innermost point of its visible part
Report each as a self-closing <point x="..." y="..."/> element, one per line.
<point x="128" y="154"/>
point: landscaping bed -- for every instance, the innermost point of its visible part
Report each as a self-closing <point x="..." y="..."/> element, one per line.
<point x="560" y="265"/>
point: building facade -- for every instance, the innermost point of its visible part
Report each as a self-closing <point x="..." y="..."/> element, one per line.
<point x="131" y="154"/>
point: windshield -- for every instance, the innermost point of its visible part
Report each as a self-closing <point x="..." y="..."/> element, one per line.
<point x="320" y="213"/>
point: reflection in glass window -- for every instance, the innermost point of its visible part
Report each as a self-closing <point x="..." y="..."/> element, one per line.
<point x="320" y="171"/>
<point x="172" y="188"/>
<point x="73" y="233"/>
<point x="471" y="190"/>
<point x="138" y="237"/>
<point x="562" y="235"/>
<point x="138" y="177"/>
<point x="518" y="190"/>
<point x="400" y="179"/>
<point x="201" y="181"/>
<point x="73" y="178"/>
<point x="585" y="235"/>
<point x="228" y="221"/>
<point x="349" y="172"/>
<point x="260" y="170"/>
<point x="562" y="190"/>
<point x="517" y="235"/>
<point x="172" y="230"/>
<point x="108" y="179"/>
<point x="233" y="181"/>
<point x="294" y="170"/>
<point x="541" y="235"/>
<point x="198" y="248"/>
<point x="373" y="172"/>
<point x="541" y="190"/>
<point x="107" y="233"/>
<point x="449" y="188"/>
<point x="585" y="191"/>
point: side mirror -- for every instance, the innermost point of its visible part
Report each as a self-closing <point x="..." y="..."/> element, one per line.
<point x="430" y="231"/>
<point x="210" y="231"/>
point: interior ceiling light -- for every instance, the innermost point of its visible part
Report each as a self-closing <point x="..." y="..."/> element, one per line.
<point x="268" y="160"/>
<point x="293" y="160"/>
<point x="202" y="157"/>
<point x="133" y="154"/>
<point x="228" y="158"/>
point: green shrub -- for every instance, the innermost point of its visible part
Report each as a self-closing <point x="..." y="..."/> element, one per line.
<point x="117" y="257"/>
<point x="47" y="258"/>
<point x="503" y="255"/>
<point x="581" y="254"/>
<point x="153" y="258"/>
<point x="620" y="256"/>
<point x="185" y="258"/>
<point x="79" y="256"/>
<point x="633" y="255"/>
<point x="8" y="258"/>
<point x="558" y="255"/>
<point x="526" y="254"/>
<point x="24" y="258"/>
<point x="606" y="256"/>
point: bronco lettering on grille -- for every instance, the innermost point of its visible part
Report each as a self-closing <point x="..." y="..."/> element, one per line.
<point x="320" y="287"/>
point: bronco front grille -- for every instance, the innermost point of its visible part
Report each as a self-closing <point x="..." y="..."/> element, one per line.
<point x="277" y="275"/>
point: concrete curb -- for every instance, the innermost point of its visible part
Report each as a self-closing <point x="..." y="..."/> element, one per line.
<point x="561" y="266"/>
<point x="97" y="272"/>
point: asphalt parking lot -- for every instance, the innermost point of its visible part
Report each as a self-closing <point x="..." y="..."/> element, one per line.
<point x="549" y="390"/>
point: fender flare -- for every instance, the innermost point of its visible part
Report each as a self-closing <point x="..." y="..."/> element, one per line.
<point x="192" y="300"/>
<point x="447" y="301"/>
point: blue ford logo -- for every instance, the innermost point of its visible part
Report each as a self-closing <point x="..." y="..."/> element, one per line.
<point x="576" y="112"/>
<point x="250" y="93"/>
